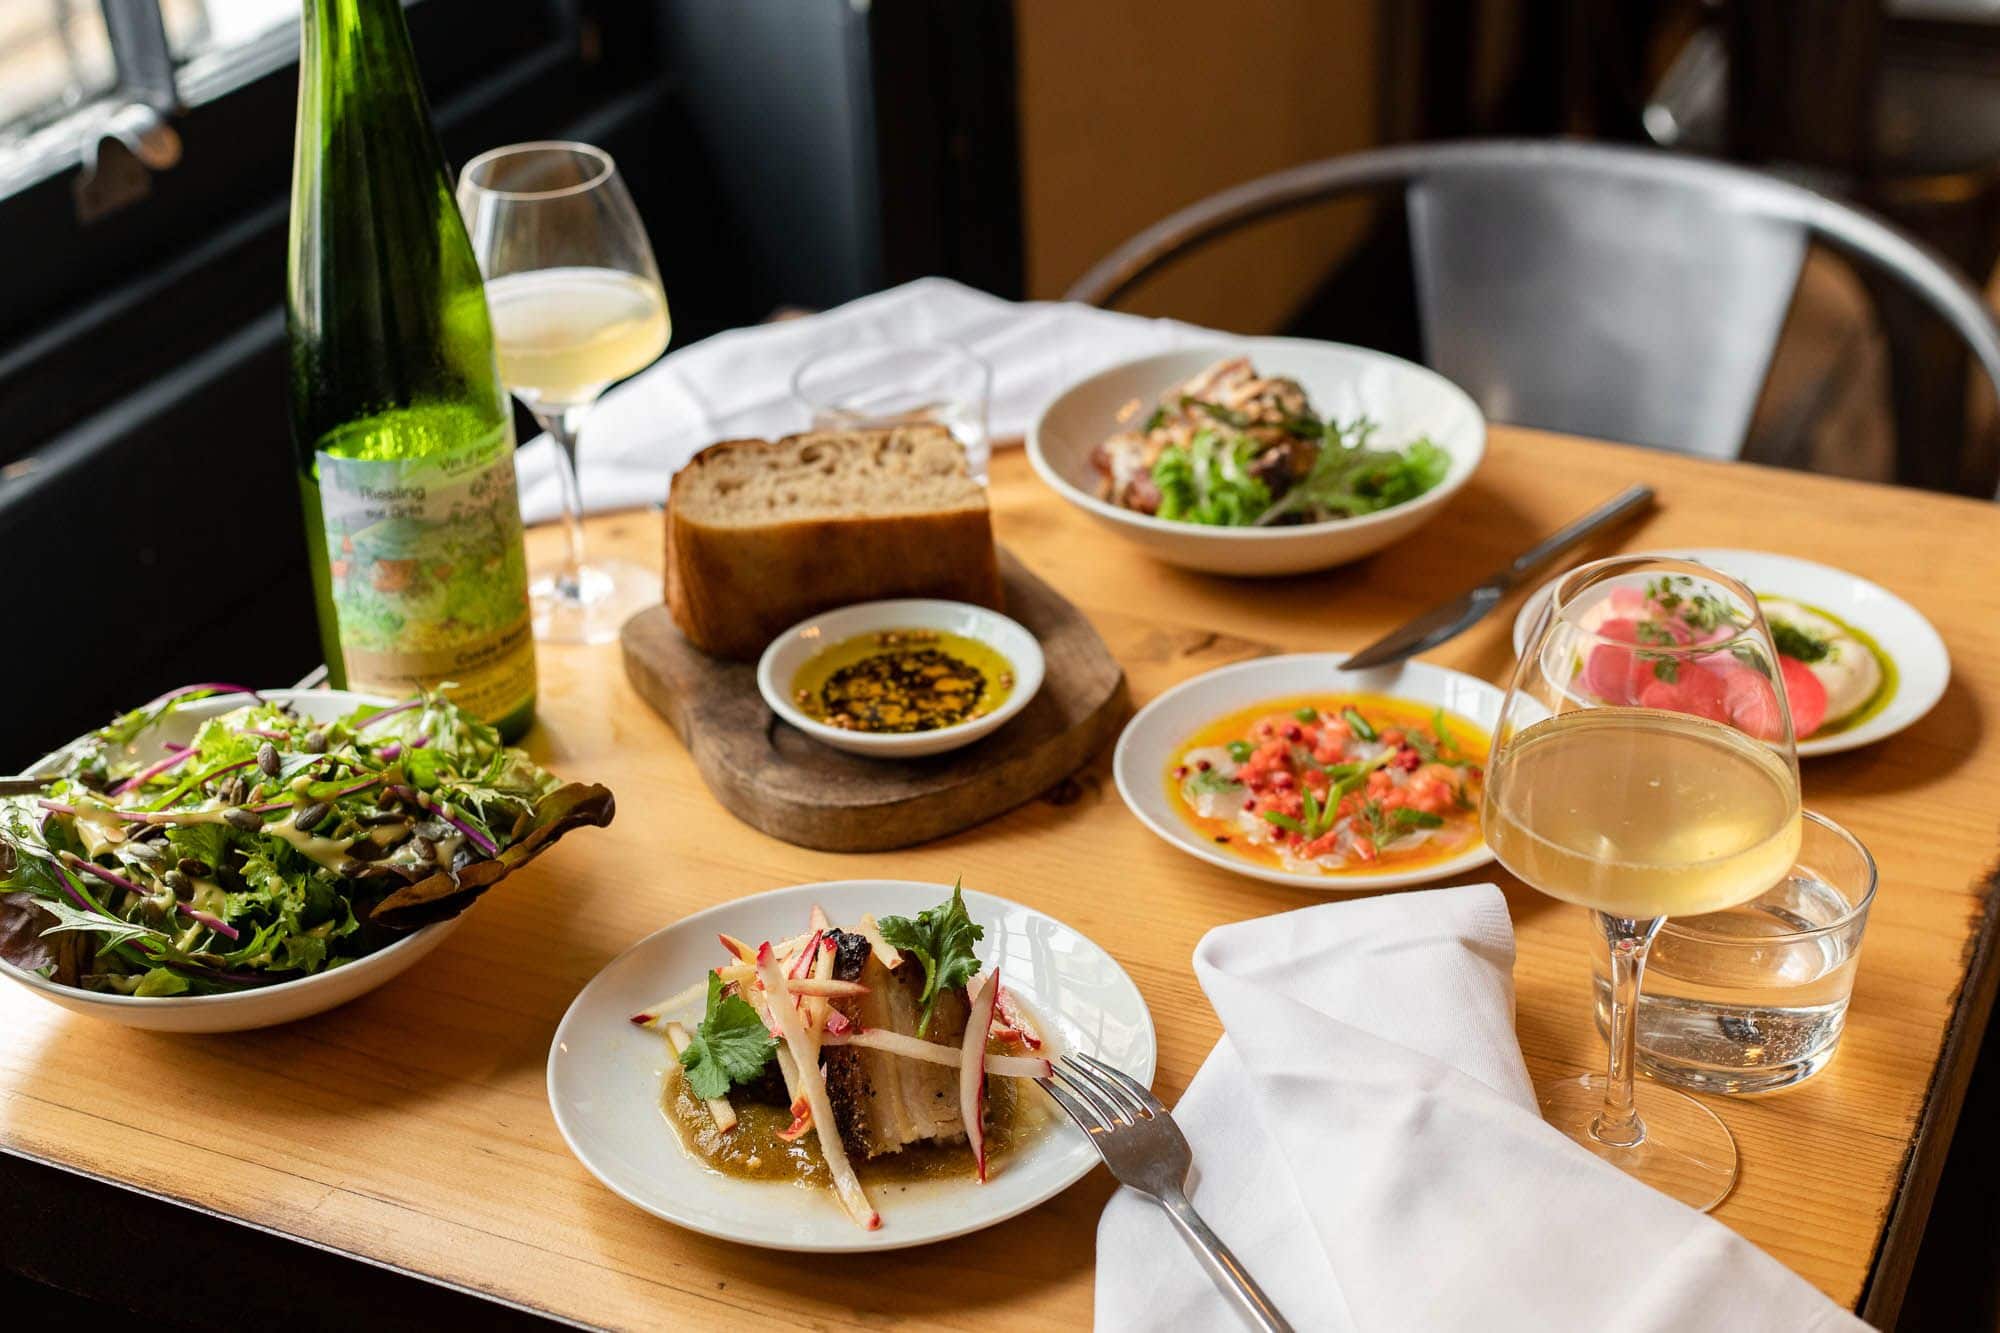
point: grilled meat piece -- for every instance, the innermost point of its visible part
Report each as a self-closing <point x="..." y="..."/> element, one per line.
<point x="883" y="1103"/>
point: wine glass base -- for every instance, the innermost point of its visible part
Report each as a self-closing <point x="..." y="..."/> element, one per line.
<point x="606" y="594"/>
<point x="1687" y="1153"/>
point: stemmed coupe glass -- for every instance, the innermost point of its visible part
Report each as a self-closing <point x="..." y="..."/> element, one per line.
<point x="1644" y="767"/>
<point x="577" y="305"/>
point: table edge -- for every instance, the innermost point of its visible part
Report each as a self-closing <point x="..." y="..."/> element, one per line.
<point x="231" y="1224"/>
<point x="1902" y="1235"/>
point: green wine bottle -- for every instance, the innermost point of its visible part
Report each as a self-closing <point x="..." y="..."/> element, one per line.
<point x="404" y="437"/>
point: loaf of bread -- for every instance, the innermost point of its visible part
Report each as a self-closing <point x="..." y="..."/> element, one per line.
<point x="762" y="534"/>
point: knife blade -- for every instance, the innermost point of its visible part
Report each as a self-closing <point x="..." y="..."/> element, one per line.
<point x="1452" y="618"/>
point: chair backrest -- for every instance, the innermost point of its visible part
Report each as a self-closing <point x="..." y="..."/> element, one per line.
<point x="1630" y="294"/>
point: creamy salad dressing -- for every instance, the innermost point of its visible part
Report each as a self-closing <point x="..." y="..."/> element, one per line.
<point x="327" y="852"/>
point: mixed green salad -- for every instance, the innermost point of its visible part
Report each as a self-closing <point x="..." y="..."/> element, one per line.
<point x="1232" y="448"/>
<point x="269" y="846"/>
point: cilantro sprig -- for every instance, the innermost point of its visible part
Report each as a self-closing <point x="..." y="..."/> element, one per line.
<point x="941" y="939"/>
<point x="729" y="1046"/>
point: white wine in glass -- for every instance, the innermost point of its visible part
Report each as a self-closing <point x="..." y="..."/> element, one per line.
<point x="564" y="335"/>
<point x="1644" y="767"/>
<point x="1638" y="812"/>
<point x="577" y="305"/>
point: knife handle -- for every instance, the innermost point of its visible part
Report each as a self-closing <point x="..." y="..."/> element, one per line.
<point x="1627" y="501"/>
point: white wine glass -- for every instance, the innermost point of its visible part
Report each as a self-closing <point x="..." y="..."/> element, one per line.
<point x="577" y="305"/>
<point x="1644" y="767"/>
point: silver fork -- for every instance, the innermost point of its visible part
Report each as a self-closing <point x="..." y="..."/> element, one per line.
<point x="1144" y="1148"/>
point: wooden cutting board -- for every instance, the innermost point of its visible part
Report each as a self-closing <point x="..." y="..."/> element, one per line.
<point x="774" y="777"/>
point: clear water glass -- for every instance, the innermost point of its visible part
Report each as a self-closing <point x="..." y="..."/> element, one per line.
<point x="1754" y="998"/>
<point x="901" y="384"/>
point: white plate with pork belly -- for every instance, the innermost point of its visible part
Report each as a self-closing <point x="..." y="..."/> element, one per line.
<point x="799" y="1007"/>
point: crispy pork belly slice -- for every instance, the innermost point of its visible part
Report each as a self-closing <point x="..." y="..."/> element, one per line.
<point x="883" y="1103"/>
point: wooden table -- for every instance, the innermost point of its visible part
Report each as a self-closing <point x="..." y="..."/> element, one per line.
<point x="410" y="1129"/>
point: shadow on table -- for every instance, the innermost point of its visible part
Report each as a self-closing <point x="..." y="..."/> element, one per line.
<point x="982" y="1279"/>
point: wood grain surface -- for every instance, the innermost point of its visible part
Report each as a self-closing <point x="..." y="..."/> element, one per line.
<point x="411" y="1128"/>
<point x="782" y="781"/>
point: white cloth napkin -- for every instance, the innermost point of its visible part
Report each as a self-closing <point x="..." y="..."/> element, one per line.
<point x="1366" y="1140"/>
<point x="739" y="383"/>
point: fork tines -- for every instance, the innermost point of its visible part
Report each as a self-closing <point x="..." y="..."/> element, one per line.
<point x="1089" y="1085"/>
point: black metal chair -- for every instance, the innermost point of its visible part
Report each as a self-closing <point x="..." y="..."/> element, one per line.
<point x="1628" y="294"/>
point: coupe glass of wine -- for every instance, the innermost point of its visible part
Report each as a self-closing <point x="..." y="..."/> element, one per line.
<point x="577" y="305"/>
<point x="1644" y="767"/>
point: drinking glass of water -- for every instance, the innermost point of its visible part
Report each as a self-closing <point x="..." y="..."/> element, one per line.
<point x="901" y="384"/>
<point x="577" y="305"/>
<point x="1754" y="998"/>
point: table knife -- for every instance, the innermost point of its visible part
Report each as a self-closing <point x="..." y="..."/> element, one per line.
<point x="1453" y="618"/>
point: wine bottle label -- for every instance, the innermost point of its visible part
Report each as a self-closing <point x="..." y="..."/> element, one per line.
<point x="428" y="575"/>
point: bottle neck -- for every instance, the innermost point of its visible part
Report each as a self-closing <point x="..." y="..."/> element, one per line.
<point x="355" y="57"/>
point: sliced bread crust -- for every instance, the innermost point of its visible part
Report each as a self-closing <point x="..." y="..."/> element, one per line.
<point x="761" y="534"/>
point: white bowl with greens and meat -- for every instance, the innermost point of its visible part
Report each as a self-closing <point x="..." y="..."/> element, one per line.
<point x="222" y="859"/>
<point x="1270" y="456"/>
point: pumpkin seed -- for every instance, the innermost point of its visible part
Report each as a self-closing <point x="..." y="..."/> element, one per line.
<point x="310" y="815"/>
<point x="246" y="820"/>
<point x="194" y="867"/>
<point x="267" y="759"/>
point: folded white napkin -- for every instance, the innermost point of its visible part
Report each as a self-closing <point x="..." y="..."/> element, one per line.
<point x="739" y="383"/>
<point x="1366" y="1140"/>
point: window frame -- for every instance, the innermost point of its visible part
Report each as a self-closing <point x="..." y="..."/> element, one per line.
<point x="113" y="304"/>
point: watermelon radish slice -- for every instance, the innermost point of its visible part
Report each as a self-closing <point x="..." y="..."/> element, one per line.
<point x="1753" y="703"/>
<point x="1807" y="693"/>
<point x="1695" y="689"/>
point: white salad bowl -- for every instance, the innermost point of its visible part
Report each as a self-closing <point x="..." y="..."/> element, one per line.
<point x="1156" y="734"/>
<point x="780" y="664"/>
<point x="1923" y="664"/>
<point x="266" y="1005"/>
<point x="605" y="1074"/>
<point x="1343" y="383"/>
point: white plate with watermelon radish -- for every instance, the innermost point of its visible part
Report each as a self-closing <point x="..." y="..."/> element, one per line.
<point x="1860" y="663"/>
<point x="608" y="1076"/>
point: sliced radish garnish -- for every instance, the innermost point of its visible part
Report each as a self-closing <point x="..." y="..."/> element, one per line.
<point x="803" y="963"/>
<point x="1695" y="689"/>
<point x="813" y="1085"/>
<point x="885" y="953"/>
<point x="822" y="970"/>
<point x="1750" y="703"/>
<point x="828" y="987"/>
<point x="1613" y="672"/>
<point x="916" y="1048"/>
<point x="802" y="1121"/>
<point x="1807" y="693"/>
<point x="972" y="1067"/>
<point x="1007" y="1016"/>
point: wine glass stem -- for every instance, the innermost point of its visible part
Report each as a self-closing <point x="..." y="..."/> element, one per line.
<point x="1618" y="1124"/>
<point x="563" y="426"/>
